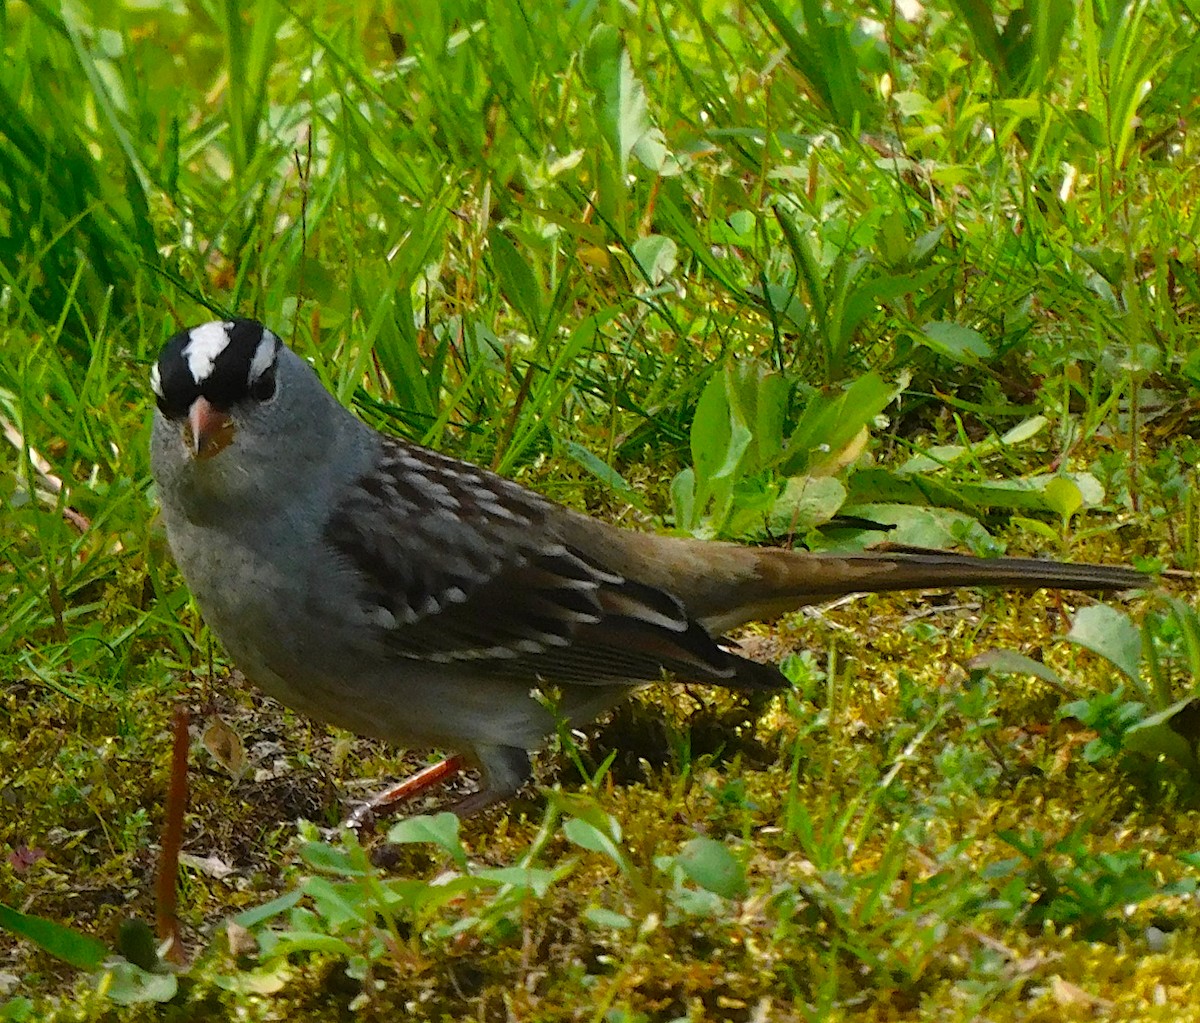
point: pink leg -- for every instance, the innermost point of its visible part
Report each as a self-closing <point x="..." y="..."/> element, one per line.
<point x="387" y="801"/>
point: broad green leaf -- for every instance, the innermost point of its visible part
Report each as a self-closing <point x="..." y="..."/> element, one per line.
<point x="1010" y="662"/>
<point x="893" y="232"/>
<point x="1029" y="494"/>
<point x="695" y="902"/>
<point x="835" y="459"/>
<point x="962" y="344"/>
<point x="16" y="1010"/>
<point x="719" y="437"/>
<point x="329" y="859"/>
<point x="1037" y="527"/>
<point x="1016" y="493"/>
<point x="939" y="456"/>
<point x="440" y="829"/>
<point x="428" y="898"/>
<point x="806" y="501"/>
<point x="65" y="943"/>
<point x="516" y="278"/>
<point x="924" y="527"/>
<point x="340" y="903"/>
<point x="830" y="421"/>
<point x="604" y="472"/>
<point x="936" y="458"/>
<point x="589" y="837"/>
<point x="1172" y="732"/>
<point x="585" y="808"/>
<point x="267" y="980"/>
<point x="870" y="293"/>
<point x="921" y="250"/>
<point x="1106" y="631"/>
<point x="711" y="431"/>
<point x="953" y="174"/>
<point x="657" y="257"/>
<point x="1063" y="496"/>
<point x="601" y="834"/>
<point x="736" y="229"/>
<point x="607" y="918"/>
<point x="758" y="399"/>
<point x="683" y="499"/>
<point x="620" y="103"/>
<point x="251" y="918"/>
<point x="1025" y="430"/>
<point x="127" y="984"/>
<point x="311" y="941"/>
<point x="910" y="104"/>
<point x="138" y="943"/>
<point x="407" y="892"/>
<point x="713" y="867"/>
<point x="537" y="879"/>
<point x="652" y="153"/>
<point x="881" y="487"/>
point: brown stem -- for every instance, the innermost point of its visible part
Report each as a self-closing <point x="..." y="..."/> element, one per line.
<point x="166" y="916"/>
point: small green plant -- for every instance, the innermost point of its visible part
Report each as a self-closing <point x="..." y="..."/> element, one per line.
<point x="751" y="469"/>
<point x="1153" y="711"/>
<point x="761" y="468"/>
<point x="348" y="908"/>
<point x="1065" y="884"/>
<point x="697" y="878"/>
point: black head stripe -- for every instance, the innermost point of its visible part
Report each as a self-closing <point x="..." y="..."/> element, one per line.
<point x="219" y="360"/>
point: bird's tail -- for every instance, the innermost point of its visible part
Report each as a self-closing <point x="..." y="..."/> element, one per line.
<point x="773" y="581"/>
<point x="724" y="585"/>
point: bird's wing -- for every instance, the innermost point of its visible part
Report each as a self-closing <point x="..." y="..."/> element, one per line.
<point x="457" y="566"/>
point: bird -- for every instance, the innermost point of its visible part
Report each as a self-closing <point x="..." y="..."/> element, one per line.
<point x="396" y="592"/>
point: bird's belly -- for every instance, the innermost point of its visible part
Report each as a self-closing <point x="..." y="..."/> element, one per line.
<point x="415" y="704"/>
<point x="408" y="704"/>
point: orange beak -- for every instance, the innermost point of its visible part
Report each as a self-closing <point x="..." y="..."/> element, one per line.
<point x="207" y="431"/>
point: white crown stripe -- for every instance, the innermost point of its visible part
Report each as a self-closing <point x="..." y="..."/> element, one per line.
<point x="206" y="342"/>
<point x="264" y="356"/>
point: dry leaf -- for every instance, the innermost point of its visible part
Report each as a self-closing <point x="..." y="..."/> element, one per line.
<point x="226" y="747"/>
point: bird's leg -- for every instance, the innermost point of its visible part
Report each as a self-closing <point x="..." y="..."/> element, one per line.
<point x="505" y="770"/>
<point x="387" y="801"/>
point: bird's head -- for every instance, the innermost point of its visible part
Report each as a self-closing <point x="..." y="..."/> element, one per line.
<point x="210" y="378"/>
<point x="245" y="426"/>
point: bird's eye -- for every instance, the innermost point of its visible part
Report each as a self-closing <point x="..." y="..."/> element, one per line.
<point x="263" y="387"/>
<point x="169" y="409"/>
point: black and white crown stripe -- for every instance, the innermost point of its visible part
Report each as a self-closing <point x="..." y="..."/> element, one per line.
<point x="221" y="361"/>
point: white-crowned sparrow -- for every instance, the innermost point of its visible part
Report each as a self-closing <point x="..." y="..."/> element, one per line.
<point x="399" y="593"/>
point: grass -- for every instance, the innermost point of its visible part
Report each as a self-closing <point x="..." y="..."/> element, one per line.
<point x="734" y="269"/>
